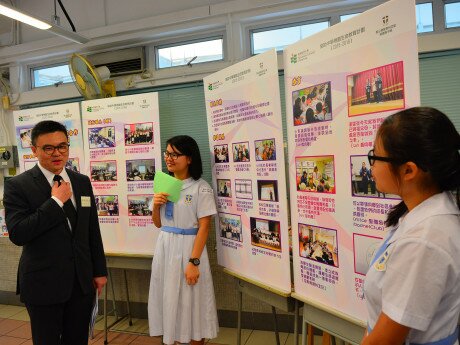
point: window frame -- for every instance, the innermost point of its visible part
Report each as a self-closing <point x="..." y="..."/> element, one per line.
<point x="201" y="39"/>
<point x="446" y="2"/>
<point x="433" y="17"/>
<point x="282" y="26"/>
<point x="33" y="68"/>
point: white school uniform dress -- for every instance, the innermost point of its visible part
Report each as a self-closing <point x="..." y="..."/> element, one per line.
<point x="176" y="310"/>
<point x="416" y="280"/>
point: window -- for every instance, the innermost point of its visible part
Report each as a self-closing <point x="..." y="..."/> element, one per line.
<point x="424" y="17"/>
<point x="51" y="75"/>
<point x="452" y="11"/>
<point x="192" y="52"/>
<point x="348" y="16"/>
<point x="281" y="37"/>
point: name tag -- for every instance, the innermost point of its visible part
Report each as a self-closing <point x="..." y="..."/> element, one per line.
<point x="85" y="201"/>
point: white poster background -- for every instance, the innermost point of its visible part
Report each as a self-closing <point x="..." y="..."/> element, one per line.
<point x="67" y="114"/>
<point x="382" y="40"/>
<point x="243" y="109"/>
<point x="118" y="140"/>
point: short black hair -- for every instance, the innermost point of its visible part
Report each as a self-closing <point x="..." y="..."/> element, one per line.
<point x="188" y="146"/>
<point x="45" y="127"/>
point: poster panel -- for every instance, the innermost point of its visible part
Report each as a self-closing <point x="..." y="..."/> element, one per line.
<point x="246" y="141"/>
<point x="123" y="151"/>
<point x="340" y="85"/>
<point x="68" y="115"/>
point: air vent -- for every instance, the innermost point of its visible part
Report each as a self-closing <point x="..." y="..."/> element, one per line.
<point x="121" y="62"/>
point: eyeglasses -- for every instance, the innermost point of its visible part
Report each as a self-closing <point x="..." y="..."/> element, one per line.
<point x="372" y="158"/>
<point x="172" y="155"/>
<point x="50" y="149"/>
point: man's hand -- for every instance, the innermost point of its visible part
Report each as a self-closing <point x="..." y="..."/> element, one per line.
<point x="62" y="192"/>
<point x="192" y="273"/>
<point x="99" y="283"/>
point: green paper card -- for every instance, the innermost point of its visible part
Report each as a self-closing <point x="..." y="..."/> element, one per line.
<point x="164" y="183"/>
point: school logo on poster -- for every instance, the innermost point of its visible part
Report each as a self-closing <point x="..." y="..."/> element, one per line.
<point x="385" y="19"/>
<point x="294" y="58"/>
<point x="188" y="199"/>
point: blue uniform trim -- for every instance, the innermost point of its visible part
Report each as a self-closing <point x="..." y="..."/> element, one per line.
<point x="450" y="340"/>
<point x="179" y="231"/>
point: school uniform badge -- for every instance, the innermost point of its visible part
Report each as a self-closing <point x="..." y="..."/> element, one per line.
<point x="188" y="199"/>
<point x="381" y="263"/>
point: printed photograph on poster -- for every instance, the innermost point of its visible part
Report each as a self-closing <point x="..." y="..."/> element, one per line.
<point x="376" y="90"/>
<point x="364" y="248"/>
<point x="267" y="190"/>
<point x="106" y="205"/>
<point x="73" y="164"/>
<point x="362" y="182"/>
<point x="224" y="188"/>
<point x="241" y="152"/>
<point x="30" y="164"/>
<point x="26" y="137"/>
<point x="265" y="150"/>
<point x="101" y="137"/>
<point x="139" y="133"/>
<point x="103" y="171"/>
<point x="140" y="205"/>
<point x="318" y="244"/>
<point x="312" y="104"/>
<point x="265" y="233"/>
<point x="230" y="227"/>
<point x="243" y="189"/>
<point x="140" y="170"/>
<point x="315" y="174"/>
<point x="221" y="153"/>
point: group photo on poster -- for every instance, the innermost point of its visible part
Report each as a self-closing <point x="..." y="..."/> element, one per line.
<point x="139" y="133"/>
<point x="265" y="233"/>
<point x="25" y="136"/>
<point x="241" y="152"/>
<point x="103" y="171"/>
<point x="139" y="205"/>
<point x="265" y="149"/>
<point x="315" y="174"/>
<point x="362" y="181"/>
<point x="312" y="104"/>
<point x="230" y="227"/>
<point x="376" y="90"/>
<point x="318" y="244"/>
<point x="221" y="154"/>
<point x="101" y="137"/>
<point x="107" y="205"/>
<point x="140" y="170"/>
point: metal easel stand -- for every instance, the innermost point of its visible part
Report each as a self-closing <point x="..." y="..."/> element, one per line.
<point x="114" y="310"/>
<point x="276" y="299"/>
<point x="341" y="327"/>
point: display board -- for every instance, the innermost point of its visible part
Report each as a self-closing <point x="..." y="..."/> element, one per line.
<point x="246" y="143"/>
<point x="340" y="84"/>
<point x="123" y="151"/>
<point x="67" y="114"/>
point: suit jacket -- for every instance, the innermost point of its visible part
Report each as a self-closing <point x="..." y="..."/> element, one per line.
<point x="53" y="255"/>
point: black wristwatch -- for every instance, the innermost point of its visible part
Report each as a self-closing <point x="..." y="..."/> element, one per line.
<point x="194" y="261"/>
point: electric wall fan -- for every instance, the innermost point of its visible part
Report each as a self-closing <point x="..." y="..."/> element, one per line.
<point x="90" y="81"/>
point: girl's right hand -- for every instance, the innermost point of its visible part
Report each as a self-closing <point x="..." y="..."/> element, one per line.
<point x="160" y="199"/>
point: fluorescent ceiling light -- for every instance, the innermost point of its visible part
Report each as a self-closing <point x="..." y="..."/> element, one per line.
<point x="9" y="12"/>
<point x="41" y="24"/>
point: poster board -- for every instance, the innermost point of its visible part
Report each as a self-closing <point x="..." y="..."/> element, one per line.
<point x="340" y="85"/>
<point x="246" y="142"/>
<point x="68" y="115"/>
<point x="122" y="147"/>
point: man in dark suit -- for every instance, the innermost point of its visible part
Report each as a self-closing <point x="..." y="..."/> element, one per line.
<point x="51" y="212"/>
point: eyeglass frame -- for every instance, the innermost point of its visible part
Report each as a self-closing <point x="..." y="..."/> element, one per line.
<point x="58" y="148"/>
<point x="372" y="158"/>
<point x="172" y="155"/>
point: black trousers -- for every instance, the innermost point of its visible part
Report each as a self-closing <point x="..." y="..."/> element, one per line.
<point x="64" y="323"/>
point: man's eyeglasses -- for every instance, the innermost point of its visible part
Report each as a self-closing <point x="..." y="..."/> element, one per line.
<point x="172" y="155"/>
<point x="372" y="158"/>
<point x="50" y="149"/>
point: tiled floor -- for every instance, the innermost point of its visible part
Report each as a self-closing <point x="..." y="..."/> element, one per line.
<point x="15" y="330"/>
